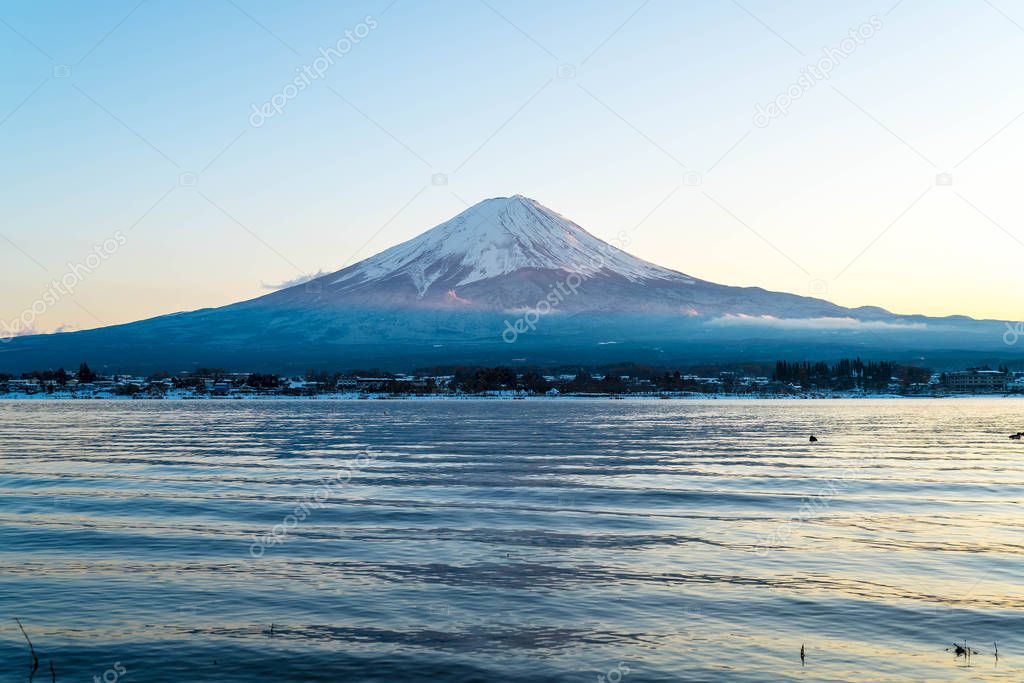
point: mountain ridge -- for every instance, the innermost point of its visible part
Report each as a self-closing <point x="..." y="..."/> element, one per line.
<point x="508" y="253"/>
<point x="448" y="294"/>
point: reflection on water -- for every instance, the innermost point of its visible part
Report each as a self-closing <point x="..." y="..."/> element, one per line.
<point x="486" y="541"/>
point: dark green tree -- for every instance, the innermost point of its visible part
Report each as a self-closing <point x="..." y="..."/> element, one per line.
<point x="85" y="374"/>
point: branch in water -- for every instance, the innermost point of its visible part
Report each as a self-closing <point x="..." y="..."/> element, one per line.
<point x="32" y="650"/>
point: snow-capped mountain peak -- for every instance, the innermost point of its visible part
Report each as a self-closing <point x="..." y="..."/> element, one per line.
<point x="452" y="295"/>
<point x="493" y="238"/>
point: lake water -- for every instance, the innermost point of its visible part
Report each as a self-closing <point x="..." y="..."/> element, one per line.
<point x="512" y="540"/>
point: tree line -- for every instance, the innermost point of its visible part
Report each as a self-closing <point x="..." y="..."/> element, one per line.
<point x="848" y="374"/>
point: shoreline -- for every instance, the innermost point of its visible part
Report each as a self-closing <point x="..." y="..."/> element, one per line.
<point x="345" y="397"/>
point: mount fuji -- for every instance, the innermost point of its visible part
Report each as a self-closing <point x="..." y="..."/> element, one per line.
<point x="507" y="281"/>
<point x="508" y="254"/>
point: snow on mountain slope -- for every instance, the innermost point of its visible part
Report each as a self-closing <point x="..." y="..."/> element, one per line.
<point x="499" y="237"/>
<point x="508" y="253"/>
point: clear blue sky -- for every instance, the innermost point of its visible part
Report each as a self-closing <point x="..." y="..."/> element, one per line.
<point x="608" y="112"/>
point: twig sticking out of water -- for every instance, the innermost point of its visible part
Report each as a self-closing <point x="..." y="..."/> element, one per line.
<point x="997" y="651"/>
<point x="801" y="654"/>
<point x="53" y="674"/>
<point x="963" y="651"/>
<point x="32" y="650"/>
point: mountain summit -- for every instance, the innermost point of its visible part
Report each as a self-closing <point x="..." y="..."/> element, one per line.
<point x="508" y="253"/>
<point x="493" y="238"/>
<point x="495" y="254"/>
<point x="451" y="295"/>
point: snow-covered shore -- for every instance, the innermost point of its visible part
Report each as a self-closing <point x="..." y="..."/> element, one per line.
<point x="495" y="396"/>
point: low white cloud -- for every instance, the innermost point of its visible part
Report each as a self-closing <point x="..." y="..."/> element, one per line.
<point x="742" y="319"/>
<point x="300" y="280"/>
